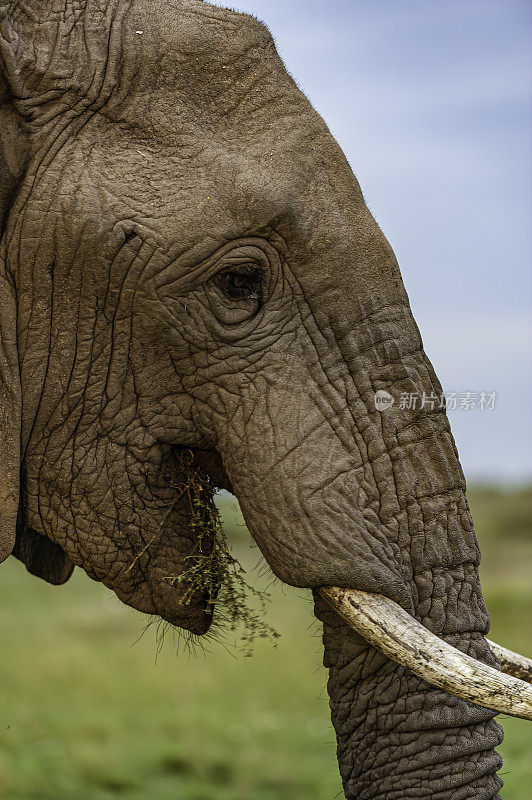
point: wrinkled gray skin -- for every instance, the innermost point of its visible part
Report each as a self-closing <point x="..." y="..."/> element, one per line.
<point x="187" y="260"/>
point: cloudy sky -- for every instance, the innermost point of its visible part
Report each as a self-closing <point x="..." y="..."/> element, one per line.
<point x="431" y="103"/>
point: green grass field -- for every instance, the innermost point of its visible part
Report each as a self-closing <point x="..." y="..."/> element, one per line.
<point x="87" y="711"/>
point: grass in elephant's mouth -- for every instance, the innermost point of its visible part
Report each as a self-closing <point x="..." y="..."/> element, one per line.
<point x="213" y="570"/>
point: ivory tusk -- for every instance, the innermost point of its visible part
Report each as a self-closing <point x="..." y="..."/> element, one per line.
<point x="512" y="663"/>
<point x="389" y="628"/>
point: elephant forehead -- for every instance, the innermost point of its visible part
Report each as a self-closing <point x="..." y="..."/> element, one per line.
<point x="192" y="29"/>
<point x="211" y="123"/>
<point x="191" y="66"/>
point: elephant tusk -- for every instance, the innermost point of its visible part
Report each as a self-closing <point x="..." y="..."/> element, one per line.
<point x="393" y="631"/>
<point x="512" y="663"/>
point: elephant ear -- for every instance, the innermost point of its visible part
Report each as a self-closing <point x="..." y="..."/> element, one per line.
<point x="10" y="391"/>
<point x="41" y="556"/>
<point x="10" y="408"/>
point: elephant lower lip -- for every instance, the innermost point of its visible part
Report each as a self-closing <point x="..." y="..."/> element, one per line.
<point x="194" y="612"/>
<point x="169" y="601"/>
<point x="193" y="618"/>
<point x="197" y="623"/>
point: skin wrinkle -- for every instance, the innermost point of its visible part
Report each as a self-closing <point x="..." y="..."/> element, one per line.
<point x="333" y="418"/>
<point x="401" y="754"/>
<point x="69" y="380"/>
<point x="437" y="760"/>
<point x="326" y="383"/>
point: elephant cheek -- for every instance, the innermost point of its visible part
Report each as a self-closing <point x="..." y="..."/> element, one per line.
<point x="131" y="529"/>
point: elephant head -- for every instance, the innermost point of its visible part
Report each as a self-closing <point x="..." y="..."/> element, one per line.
<point x="187" y="261"/>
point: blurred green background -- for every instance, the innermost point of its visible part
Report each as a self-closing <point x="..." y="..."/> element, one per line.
<point x="89" y="710"/>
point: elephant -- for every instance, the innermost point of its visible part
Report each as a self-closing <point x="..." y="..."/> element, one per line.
<point x="187" y="263"/>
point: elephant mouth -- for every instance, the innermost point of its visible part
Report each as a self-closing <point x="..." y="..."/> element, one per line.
<point x="389" y="628"/>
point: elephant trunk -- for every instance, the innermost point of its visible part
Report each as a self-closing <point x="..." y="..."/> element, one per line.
<point x="398" y="736"/>
<point x="400" y="637"/>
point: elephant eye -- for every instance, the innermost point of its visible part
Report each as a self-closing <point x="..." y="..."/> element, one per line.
<point x="243" y="283"/>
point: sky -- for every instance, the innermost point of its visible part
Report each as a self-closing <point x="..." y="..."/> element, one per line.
<point x="432" y="105"/>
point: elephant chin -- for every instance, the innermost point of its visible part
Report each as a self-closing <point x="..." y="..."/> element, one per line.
<point x="193" y="613"/>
